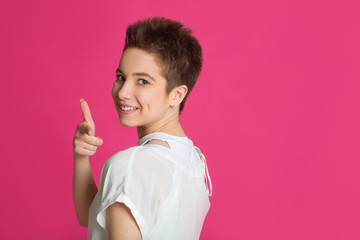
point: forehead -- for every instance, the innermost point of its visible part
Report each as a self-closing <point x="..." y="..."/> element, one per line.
<point x="138" y="60"/>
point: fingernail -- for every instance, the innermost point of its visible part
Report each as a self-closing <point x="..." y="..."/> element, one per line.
<point x="81" y="99"/>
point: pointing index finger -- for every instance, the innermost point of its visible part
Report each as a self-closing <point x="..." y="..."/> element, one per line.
<point x="85" y="111"/>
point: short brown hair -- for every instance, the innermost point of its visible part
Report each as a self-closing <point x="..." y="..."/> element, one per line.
<point x="178" y="53"/>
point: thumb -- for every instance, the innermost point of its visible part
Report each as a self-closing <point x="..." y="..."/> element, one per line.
<point x="87" y="116"/>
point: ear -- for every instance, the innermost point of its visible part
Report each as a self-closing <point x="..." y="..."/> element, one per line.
<point x="178" y="94"/>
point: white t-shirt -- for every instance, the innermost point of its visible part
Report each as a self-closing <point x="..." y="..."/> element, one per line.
<point x="166" y="189"/>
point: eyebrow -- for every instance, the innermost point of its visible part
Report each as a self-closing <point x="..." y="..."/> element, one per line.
<point x="138" y="74"/>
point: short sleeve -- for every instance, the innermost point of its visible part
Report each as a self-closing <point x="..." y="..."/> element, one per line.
<point x="142" y="180"/>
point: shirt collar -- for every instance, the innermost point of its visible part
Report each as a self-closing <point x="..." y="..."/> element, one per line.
<point x="161" y="136"/>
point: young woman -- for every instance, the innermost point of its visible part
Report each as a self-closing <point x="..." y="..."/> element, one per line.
<point x="159" y="188"/>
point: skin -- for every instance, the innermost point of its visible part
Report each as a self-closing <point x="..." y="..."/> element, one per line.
<point x="149" y="95"/>
<point x="85" y="144"/>
<point x="154" y="114"/>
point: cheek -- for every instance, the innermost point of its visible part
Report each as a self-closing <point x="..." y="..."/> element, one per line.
<point x="159" y="102"/>
<point x="146" y="100"/>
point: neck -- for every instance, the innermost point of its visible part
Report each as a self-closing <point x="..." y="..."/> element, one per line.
<point x="172" y="127"/>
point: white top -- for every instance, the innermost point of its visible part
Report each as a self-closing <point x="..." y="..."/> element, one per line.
<point x="164" y="189"/>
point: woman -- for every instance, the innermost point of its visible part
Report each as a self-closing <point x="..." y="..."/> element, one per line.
<point x="155" y="190"/>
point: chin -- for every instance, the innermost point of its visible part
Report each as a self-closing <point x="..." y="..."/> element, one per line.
<point x="127" y="123"/>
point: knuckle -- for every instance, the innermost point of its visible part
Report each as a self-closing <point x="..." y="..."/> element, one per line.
<point x="80" y="125"/>
<point x="77" y="142"/>
<point x="77" y="132"/>
<point x="76" y="149"/>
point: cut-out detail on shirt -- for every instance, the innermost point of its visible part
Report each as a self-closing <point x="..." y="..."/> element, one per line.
<point x="159" y="142"/>
<point x="162" y="136"/>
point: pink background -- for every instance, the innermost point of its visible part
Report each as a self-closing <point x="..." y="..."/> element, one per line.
<point x="275" y="111"/>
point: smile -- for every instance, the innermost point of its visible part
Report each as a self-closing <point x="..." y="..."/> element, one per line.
<point x="127" y="108"/>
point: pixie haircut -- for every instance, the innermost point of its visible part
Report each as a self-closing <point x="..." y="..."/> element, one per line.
<point x="177" y="52"/>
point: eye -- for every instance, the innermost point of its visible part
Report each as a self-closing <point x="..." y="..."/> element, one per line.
<point x="120" y="77"/>
<point x="143" y="81"/>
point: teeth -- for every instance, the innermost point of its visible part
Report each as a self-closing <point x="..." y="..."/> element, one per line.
<point x="127" y="108"/>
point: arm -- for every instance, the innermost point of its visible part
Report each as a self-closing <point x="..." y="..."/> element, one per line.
<point x="121" y="224"/>
<point x="84" y="188"/>
<point x="84" y="145"/>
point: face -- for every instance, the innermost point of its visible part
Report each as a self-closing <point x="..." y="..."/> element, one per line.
<point x="139" y="91"/>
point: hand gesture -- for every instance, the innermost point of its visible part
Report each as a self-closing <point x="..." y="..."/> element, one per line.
<point x="85" y="143"/>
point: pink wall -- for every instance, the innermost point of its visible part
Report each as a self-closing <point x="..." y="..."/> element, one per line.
<point x="275" y="111"/>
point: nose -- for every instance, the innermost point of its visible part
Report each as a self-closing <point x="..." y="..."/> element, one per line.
<point x="125" y="90"/>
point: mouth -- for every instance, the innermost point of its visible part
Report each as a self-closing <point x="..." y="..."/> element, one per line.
<point x="127" y="109"/>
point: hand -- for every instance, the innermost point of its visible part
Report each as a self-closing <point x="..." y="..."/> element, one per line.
<point x="85" y="143"/>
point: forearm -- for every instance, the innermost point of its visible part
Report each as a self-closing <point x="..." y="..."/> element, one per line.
<point x="84" y="188"/>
